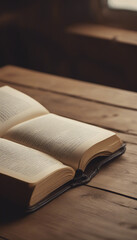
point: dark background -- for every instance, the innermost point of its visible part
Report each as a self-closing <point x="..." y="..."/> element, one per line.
<point x="33" y="34"/>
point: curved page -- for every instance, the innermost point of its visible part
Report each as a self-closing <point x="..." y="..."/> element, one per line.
<point x="16" y="107"/>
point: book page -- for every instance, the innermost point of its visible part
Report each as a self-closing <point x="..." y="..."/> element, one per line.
<point x="60" y="137"/>
<point x="16" y="107"/>
<point x="27" y="164"/>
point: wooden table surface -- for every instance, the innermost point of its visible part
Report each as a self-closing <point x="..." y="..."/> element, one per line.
<point x="105" y="208"/>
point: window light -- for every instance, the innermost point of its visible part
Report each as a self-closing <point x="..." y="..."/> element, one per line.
<point x="123" y="4"/>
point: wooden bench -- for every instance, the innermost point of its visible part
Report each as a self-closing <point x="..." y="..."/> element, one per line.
<point x="105" y="208"/>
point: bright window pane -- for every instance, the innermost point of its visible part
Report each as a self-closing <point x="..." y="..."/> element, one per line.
<point x="123" y="4"/>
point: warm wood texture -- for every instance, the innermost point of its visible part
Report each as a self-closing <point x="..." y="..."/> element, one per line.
<point x="107" y="207"/>
<point x="104" y="115"/>
<point x="94" y="113"/>
<point x="82" y="213"/>
<point x="121" y="175"/>
<point x="104" y="32"/>
<point x="89" y="91"/>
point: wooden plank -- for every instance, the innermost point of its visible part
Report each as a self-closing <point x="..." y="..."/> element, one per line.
<point x="41" y="96"/>
<point x="119" y="176"/>
<point x="89" y="91"/>
<point x="102" y="115"/>
<point x="124" y="167"/>
<point x="105" y="32"/>
<point x="85" y="212"/>
<point x="128" y="138"/>
<point x="80" y="213"/>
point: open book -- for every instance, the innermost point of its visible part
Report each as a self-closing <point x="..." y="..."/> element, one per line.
<point x="43" y="154"/>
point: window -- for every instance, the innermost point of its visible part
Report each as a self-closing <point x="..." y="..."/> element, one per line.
<point x="123" y="4"/>
<point x="117" y="13"/>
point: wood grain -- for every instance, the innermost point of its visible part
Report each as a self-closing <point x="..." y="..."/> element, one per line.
<point x="106" y="208"/>
<point x="81" y="213"/>
<point x="89" y="91"/>
<point x="119" y="176"/>
<point x="110" y="117"/>
<point x="122" y="169"/>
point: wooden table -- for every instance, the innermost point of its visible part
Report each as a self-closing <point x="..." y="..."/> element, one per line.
<point x="105" y="208"/>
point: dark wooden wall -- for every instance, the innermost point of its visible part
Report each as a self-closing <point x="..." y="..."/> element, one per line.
<point x="33" y="35"/>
